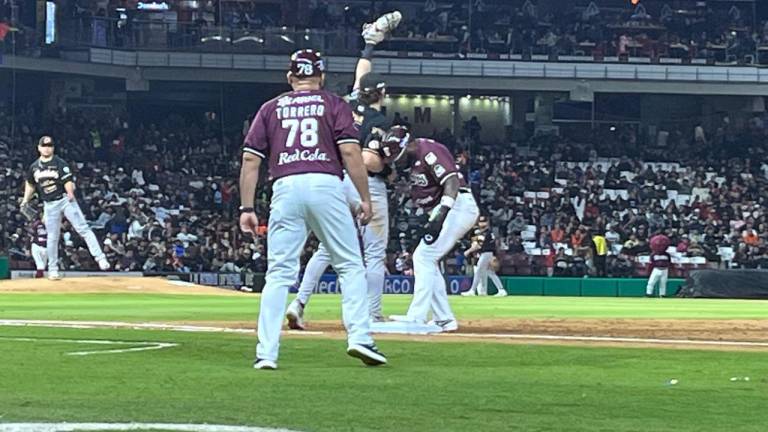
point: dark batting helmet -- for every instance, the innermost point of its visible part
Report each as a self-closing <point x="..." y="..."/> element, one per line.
<point x="395" y="142"/>
<point x="306" y="63"/>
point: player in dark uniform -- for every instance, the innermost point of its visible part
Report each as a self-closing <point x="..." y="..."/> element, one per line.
<point x="307" y="135"/>
<point x="438" y="187"/>
<point x="366" y="99"/>
<point x="484" y="243"/>
<point x="38" y="239"/>
<point x="51" y="177"/>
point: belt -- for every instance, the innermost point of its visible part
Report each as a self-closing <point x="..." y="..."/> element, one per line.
<point x="465" y="190"/>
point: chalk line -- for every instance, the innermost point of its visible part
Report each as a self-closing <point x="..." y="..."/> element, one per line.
<point x="566" y="338"/>
<point x="148" y="346"/>
<point x="70" y="427"/>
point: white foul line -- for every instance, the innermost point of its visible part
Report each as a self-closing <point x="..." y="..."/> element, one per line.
<point x="193" y="328"/>
<point x="148" y="346"/>
<point x="69" y="427"/>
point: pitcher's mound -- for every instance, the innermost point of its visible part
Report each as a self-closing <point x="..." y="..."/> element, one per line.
<point x="109" y="284"/>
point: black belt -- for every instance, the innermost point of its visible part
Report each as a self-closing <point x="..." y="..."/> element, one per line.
<point x="465" y="190"/>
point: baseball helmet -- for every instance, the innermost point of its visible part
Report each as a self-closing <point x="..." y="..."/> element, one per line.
<point x="659" y="243"/>
<point x="395" y="142"/>
<point x="306" y="63"/>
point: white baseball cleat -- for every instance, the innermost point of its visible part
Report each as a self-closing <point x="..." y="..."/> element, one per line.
<point x="400" y="318"/>
<point x="375" y="32"/>
<point x="501" y="293"/>
<point x="295" y="315"/>
<point x="265" y="364"/>
<point x="104" y="264"/>
<point x="446" y="325"/>
<point x="54" y="275"/>
<point x="470" y="293"/>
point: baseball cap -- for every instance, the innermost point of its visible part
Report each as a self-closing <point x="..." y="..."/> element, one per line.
<point x="371" y="82"/>
<point x="45" y="141"/>
<point x="306" y="63"/>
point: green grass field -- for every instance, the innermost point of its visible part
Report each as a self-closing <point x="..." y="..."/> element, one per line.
<point x="456" y="386"/>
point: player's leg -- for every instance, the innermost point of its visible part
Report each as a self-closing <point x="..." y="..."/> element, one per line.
<point x="314" y="270"/>
<point x="500" y="290"/>
<point x="52" y="218"/>
<point x="473" y="290"/>
<point x="459" y="221"/>
<point x="663" y="282"/>
<point x="429" y="286"/>
<point x="375" y="238"/>
<point x="483" y="267"/>
<point x="316" y="266"/>
<point x="287" y="232"/>
<point x="39" y="255"/>
<point x="652" y="279"/>
<point x="75" y="216"/>
<point x="330" y="220"/>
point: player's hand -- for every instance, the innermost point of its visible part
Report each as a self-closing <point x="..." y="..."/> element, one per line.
<point x="71" y="196"/>
<point x="366" y="213"/>
<point x="435" y="225"/>
<point x="249" y="223"/>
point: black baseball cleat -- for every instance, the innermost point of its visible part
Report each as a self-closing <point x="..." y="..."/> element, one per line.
<point x="368" y="354"/>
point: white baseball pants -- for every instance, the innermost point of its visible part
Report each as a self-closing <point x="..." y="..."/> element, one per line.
<point x="483" y="272"/>
<point x="658" y="275"/>
<point x="53" y="212"/>
<point x="375" y="237"/>
<point x="39" y="255"/>
<point x="310" y="202"/>
<point x="429" y="288"/>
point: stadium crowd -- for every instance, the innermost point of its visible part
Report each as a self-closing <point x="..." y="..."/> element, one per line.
<point x="684" y="29"/>
<point x="163" y="197"/>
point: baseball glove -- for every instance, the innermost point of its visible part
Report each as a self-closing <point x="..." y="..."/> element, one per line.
<point x="28" y="211"/>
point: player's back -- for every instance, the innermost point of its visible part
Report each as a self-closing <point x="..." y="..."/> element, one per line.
<point x="299" y="132"/>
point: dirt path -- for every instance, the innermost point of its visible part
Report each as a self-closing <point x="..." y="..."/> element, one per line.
<point x="109" y="284"/>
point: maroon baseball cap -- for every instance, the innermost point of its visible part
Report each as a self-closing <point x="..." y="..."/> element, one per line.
<point x="307" y="63"/>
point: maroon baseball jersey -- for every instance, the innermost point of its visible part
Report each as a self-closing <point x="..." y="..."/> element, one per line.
<point x="430" y="168"/>
<point x="661" y="260"/>
<point x="298" y="132"/>
<point x="37" y="233"/>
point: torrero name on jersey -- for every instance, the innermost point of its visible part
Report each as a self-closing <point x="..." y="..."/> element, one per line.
<point x="300" y="112"/>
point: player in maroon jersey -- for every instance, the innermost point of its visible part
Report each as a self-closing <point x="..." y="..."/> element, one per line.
<point x="438" y="187"/>
<point x="307" y="135"/>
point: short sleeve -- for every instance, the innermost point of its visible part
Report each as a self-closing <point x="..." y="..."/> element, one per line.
<point x="31" y="174"/>
<point x="66" y="172"/>
<point x="256" y="141"/>
<point x="441" y="164"/>
<point x="344" y="130"/>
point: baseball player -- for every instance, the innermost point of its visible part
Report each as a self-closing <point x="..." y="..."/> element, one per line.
<point x="367" y="96"/>
<point x="38" y="239"/>
<point x="51" y="177"/>
<point x="438" y="187"/>
<point x="660" y="262"/>
<point x="484" y="242"/>
<point x="306" y="135"/>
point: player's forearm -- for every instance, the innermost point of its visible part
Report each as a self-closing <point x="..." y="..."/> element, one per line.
<point x="69" y="187"/>
<point x="373" y="162"/>
<point x="29" y="190"/>
<point x="364" y="65"/>
<point x="249" y="178"/>
<point x="353" y="162"/>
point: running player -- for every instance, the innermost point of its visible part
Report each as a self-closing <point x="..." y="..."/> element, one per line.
<point x="52" y="179"/>
<point x="438" y="187"/>
<point x="306" y="135"/>
<point x="367" y="97"/>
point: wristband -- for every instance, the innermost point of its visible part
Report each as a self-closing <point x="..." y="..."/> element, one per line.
<point x="367" y="52"/>
<point x="447" y="201"/>
<point x="246" y="209"/>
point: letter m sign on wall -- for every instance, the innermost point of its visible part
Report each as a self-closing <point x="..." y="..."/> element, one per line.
<point x="422" y="115"/>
